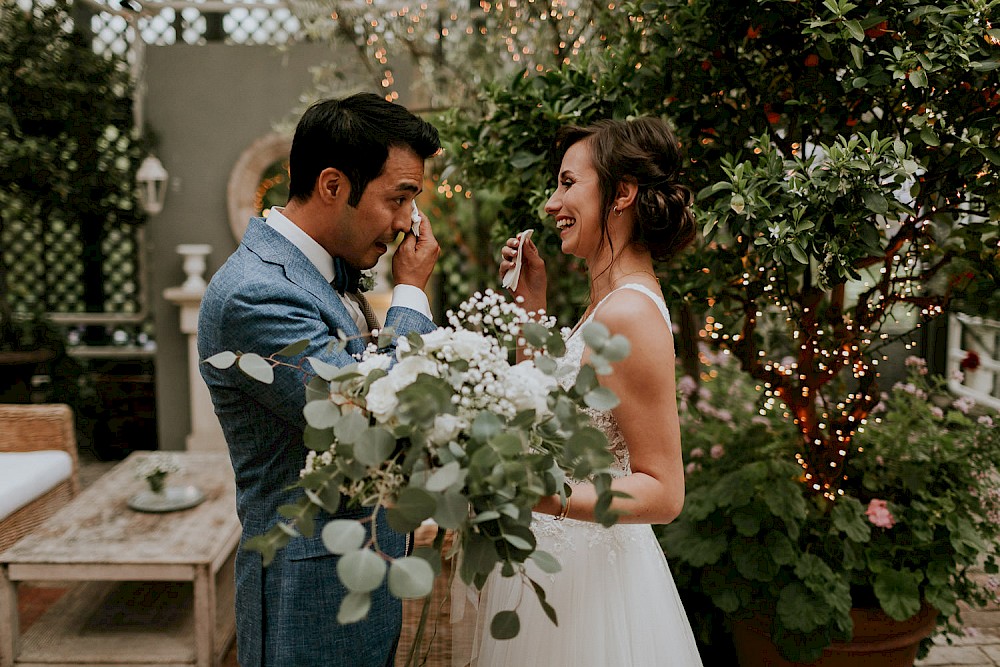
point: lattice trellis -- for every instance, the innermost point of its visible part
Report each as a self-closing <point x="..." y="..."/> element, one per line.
<point x="46" y="257"/>
<point x="191" y="25"/>
<point x="47" y="265"/>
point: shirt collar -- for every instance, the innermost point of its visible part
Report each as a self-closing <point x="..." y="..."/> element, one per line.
<point x="313" y="251"/>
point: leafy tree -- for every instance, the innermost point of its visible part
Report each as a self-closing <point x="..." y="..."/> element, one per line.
<point x="68" y="151"/>
<point x="846" y="157"/>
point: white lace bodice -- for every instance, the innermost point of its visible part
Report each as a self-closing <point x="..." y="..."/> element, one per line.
<point x="569" y="367"/>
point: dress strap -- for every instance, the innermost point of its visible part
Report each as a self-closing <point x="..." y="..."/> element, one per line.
<point x="656" y="298"/>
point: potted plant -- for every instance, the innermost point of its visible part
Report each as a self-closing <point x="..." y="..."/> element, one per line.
<point x="913" y="532"/>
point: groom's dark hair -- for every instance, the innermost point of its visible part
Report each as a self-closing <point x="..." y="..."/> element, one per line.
<point x="354" y="135"/>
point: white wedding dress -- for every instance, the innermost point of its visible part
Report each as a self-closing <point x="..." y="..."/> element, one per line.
<point x="615" y="598"/>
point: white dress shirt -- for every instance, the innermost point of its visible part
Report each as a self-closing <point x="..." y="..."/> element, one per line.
<point x="406" y="296"/>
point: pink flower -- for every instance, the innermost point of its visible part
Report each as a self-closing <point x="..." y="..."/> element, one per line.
<point x="696" y="453"/>
<point x="878" y="513"/>
<point x="985" y="420"/>
<point x="687" y="385"/>
<point x="692" y="467"/>
<point x="717" y="451"/>
<point x="964" y="404"/>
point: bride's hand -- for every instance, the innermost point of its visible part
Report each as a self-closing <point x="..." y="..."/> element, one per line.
<point x="534" y="280"/>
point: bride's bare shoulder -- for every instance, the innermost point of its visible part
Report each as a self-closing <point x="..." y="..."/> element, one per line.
<point x="633" y="314"/>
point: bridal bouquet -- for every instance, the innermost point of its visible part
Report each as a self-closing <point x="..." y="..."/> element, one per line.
<point x="446" y="427"/>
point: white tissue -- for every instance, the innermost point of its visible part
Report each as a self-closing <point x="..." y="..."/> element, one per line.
<point x="415" y="219"/>
<point x="512" y="276"/>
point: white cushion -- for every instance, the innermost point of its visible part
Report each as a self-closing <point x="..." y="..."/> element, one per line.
<point x="25" y="476"/>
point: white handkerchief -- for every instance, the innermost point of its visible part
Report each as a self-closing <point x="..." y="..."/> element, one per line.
<point x="415" y="219"/>
<point x="513" y="275"/>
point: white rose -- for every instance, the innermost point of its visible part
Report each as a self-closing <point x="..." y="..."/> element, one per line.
<point x="446" y="428"/>
<point x="381" y="361"/>
<point x="381" y="399"/>
<point x="406" y="371"/>
<point x="528" y="388"/>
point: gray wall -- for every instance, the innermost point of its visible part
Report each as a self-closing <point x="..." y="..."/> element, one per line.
<point x="206" y="104"/>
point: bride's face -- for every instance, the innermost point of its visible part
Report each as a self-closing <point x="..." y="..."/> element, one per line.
<point x="576" y="203"/>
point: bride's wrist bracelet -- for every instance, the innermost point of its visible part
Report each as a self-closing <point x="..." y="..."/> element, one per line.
<point x="565" y="509"/>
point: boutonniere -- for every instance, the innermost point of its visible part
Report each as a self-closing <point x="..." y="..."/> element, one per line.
<point x="366" y="281"/>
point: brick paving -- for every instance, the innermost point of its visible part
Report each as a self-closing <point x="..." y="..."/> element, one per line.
<point x="980" y="647"/>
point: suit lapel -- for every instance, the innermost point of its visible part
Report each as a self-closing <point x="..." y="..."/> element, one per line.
<point x="273" y="248"/>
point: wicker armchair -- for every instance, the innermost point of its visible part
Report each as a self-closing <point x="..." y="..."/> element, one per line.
<point x="29" y="428"/>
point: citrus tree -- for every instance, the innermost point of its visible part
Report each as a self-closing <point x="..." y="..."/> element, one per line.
<point x="846" y="159"/>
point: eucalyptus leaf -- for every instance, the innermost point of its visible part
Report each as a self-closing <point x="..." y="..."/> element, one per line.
<point x="322" y="414"/>
<point x="354" y="608"/>
<point x="601" y="399"/>
<point x="505" y="625"/>
<point x="374" y="446"/>
<point x="595" y="335"/>
<point x="328" y="498"/>
<point x="361" y="571"/>
<point x="293" y="349"/>
<point x="535" y="334"/>
<point x="256" y="367"/>
<point x="412" y="507"/>
<point x="222" y="360"/>
<point x="342" y="536"/>
<point x="444" y="477"/>
<point x="323" y="369"/>
<point x="452" y="510"/>
<point x="617" y="348"/>
<point x="411" y="577"/>
<point x="517" y="542"/>
<point x="317" y="439"/>
<point x="546" y="562"/>
<point x="351" y="427"/>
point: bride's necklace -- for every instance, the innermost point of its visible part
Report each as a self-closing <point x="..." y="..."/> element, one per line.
<point x="617" y="284"/>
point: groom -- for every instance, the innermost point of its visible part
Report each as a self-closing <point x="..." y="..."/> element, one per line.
<point x="356" y="165"/>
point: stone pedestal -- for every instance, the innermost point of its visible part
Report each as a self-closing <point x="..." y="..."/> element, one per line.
<point x="206" y="434"/>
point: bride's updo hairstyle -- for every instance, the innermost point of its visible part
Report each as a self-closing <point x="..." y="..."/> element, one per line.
<point x="643" y="151"/>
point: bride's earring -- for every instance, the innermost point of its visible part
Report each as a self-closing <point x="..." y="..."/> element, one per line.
<point x="618" y="211"/>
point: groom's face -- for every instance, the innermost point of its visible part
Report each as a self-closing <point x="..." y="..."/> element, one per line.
<point x="383" y="211"/>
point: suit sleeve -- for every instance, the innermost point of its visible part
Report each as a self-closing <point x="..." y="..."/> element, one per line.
<point x="264" y="321"/>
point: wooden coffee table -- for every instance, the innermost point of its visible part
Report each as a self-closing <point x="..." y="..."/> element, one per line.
<point x="149" y="588"/>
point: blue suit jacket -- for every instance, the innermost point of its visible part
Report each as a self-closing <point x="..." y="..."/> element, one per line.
<point x="264" y="297"/>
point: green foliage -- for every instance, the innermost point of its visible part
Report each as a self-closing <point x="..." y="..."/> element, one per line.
<point x="68" y="152"/>
<point x="753" y="540"/>
<point x="446" y="428"/>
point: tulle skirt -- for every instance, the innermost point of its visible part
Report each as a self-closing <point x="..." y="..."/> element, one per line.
<point x="615" y="599"/>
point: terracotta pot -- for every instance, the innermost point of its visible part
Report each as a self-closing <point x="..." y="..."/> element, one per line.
<point x="879" y="641"/>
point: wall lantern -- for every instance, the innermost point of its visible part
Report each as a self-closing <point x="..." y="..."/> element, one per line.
<point x="152" y="179"/>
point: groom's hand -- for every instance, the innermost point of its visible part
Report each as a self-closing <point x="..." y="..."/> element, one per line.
<point x="415" y="256"/>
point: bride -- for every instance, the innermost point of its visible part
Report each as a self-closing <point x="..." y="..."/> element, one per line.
<point x="618" y="206"/>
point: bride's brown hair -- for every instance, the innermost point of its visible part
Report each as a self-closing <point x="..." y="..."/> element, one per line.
<point x="645" y="151"/>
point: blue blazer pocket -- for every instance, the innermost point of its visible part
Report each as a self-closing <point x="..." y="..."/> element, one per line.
<point x="302" y="548"/>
